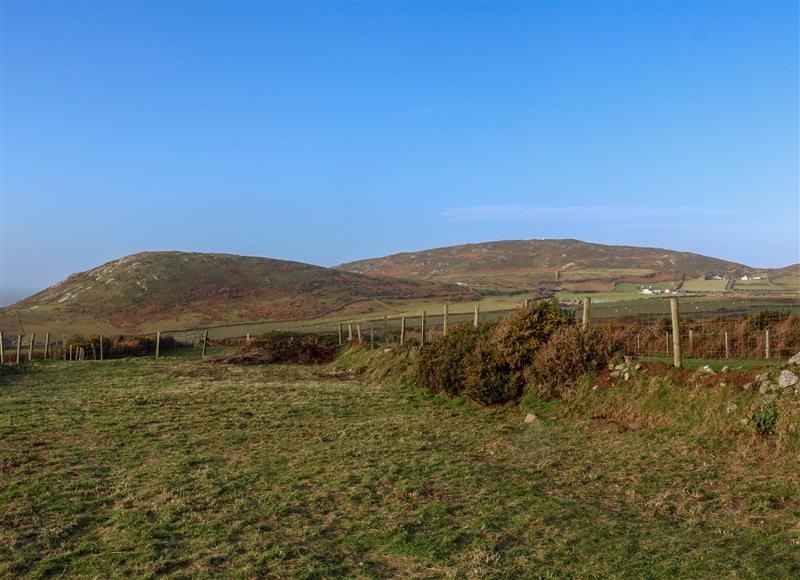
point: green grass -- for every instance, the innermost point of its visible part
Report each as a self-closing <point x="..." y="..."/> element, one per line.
<point x="183" y="468"/>
<point x="702" y="285"/>
<point x="717" y="364"/>
<point x="630" y="287"/>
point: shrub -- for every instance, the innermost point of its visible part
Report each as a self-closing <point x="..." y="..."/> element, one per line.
<point x="488" y="378"/>
<point x="440" y="365"/>
<point x="519" y="336"/>
<point x="571" y="353"/>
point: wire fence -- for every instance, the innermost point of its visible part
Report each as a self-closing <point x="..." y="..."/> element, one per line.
<point x="770" y="333"/>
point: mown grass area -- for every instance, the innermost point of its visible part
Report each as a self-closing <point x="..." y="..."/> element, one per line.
<point x="715" y="363"/>
<point x="184" y="468"/>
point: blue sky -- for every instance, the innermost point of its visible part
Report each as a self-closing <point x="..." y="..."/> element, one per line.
<point x="330" y="132"/>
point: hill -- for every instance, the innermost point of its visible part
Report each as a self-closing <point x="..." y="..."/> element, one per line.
<point x="159" y="290"/>
<point x="527" y="264"/>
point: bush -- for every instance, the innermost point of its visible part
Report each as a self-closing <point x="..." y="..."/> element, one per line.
<point x="440" y="366"/>
<point x="519" y="336"/>
<point x="571" y="353"/>
<point x="488" y="378"/>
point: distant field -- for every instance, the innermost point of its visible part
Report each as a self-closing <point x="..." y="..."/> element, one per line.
<point x="789" y="282"/>
<point x="754" y="285"/>
<point x="603" y="273"/>
<point x="629" y="287"/>
<point x="701" y="285"/>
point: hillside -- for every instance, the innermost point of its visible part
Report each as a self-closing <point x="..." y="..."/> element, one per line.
<point x="526" y="264"/>
<point x="155" y="290"/>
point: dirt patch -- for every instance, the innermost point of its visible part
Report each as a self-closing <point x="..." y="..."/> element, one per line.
<point x="304" y="350"/>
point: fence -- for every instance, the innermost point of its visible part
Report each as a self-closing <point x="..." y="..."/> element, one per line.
<point x="666" y="330"/>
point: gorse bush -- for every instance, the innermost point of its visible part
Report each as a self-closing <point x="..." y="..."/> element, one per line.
<point x="440" y="366"/>
<point x="519" y="336"/>
<point x="571" y="353"/>
<point x="489" y="379"/>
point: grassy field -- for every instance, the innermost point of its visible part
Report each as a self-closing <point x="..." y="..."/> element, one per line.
<point x="183" y="468"/>
<point x="702" y="285"/>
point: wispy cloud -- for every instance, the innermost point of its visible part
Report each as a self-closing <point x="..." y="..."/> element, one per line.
<point x="505" y="213"/>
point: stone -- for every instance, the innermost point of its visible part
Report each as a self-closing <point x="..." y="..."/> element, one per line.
<point x="787" y="379"/>
<point x="385" y="350"/>
<point x="619" y="367"/>
<point x="530" y="418"/>
<point x="765" y="388"/>
<point x="707" y="369"/>
<point x="615" y="374"/>
<point x="627" y="376"/>
<point x="747" y="386"/>
<point x="724" y="369"/>
<point x="795" y="360"/>
<point x="638" y="367"/>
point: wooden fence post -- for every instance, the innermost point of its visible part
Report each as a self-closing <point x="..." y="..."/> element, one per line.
<point x="371" y="336"/>
<point x="19" y="346"/>
<point x="205" y="342"/>
<point x="587" y="310"/>
<point x="444" y="319"/>
<point x="727" y="346"/>
<point x="476" y="316"/>
<point x="341" y="337"/>
<point x="525" y="303"/>
<point x="30" y="348"/>
<point x="666" y="339"/>
<point x="422" y="330"/>
<point x="676" y="332"/>
<point x="386" y="329"/>
<point x="358" y="331"/>
<point x="349" y="332"/>
<point x="47" y="344"/>
<point x="101" y="347"/>
<point x="766" y="343"/>
<point x="70" y="352"/>
<point x="691" y="343"/>
<point x="638" y="343"/>
<point x="158" y="344"/>
<point x="402" y="329"/>
<point x="2" y="349"/>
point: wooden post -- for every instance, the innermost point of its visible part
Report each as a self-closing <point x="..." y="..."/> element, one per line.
<point x="19" y="346"/>
<point x="727" y="346"/>
<point x="386" y="329"/>
<point x="691" y="343"/>
<point x="666" y="339"/>
<point x="30" y="348"/>
<point x="205" y="342"/>
<point x="47" y="344"/>
<point x="70" y="352"/>
<point x="525" y="303"/>
<point x="248" y="338"/>
<point x="676" y="333"/>
<point x="766" y="343"/>
<point x="402" y="329"/>
<point x="371" y="336"/>
<point x="349" y="332"/>
<point x="444" y="319"/>
<point x="341" y="337"/>
<point x="638" y="343"/>
<point x="158" y="344"/>
<point x="2" y="349"/>
<point x="358" y="331"/>
<point x="101" y="347"/>
<point x="476" y="316"/>
<point x="422" y="330"/>
<point x="587" y="310"/>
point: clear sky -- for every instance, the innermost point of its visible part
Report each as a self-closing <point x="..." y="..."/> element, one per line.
<point x="330" y="132"/>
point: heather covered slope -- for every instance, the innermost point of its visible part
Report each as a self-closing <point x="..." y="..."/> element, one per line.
<point x="530" y="263"/>
<point x="173" y="289"/>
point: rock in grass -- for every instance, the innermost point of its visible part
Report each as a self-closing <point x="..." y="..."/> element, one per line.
<point x="787" y="379"/>
<point x="530" y="418"/>
<point x="795" y="360"/>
